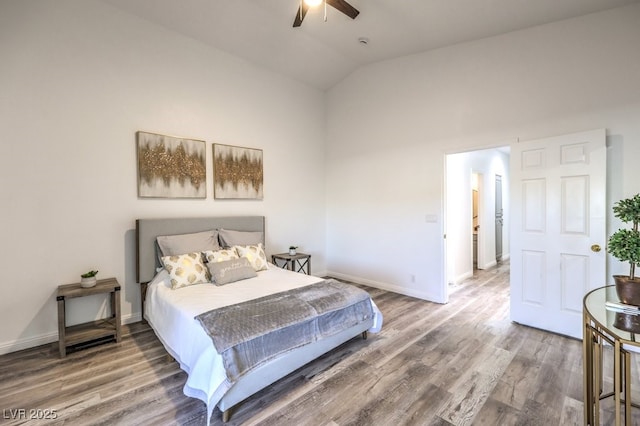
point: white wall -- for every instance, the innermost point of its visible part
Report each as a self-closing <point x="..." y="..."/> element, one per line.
<point x="391" y="123"/>
<point x="78" y="79"/>
<point x="459" y="168"/>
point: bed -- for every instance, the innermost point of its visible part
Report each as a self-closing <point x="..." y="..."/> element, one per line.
<point x="172" y="313"/>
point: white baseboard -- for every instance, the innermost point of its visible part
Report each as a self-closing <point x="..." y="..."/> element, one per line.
<point x="385" y="286"/>
<point x="489" y="265"/>
<point x="48" y="338"/>
<point x="462" y="277"/>
<point x="28" y="342"/>
<point x="131" y="318"/>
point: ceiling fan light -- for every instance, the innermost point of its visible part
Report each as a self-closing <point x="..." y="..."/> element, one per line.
<point x="312" y="3"/>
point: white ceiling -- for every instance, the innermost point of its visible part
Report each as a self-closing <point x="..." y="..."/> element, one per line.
<point x="323" y="53"/>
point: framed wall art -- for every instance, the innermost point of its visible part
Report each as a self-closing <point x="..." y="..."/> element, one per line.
<point x="237" y="172"/>
<point x="171" y="167"/>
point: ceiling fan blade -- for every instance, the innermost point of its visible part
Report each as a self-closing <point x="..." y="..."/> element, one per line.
<point x="344" y="7"/>
<point x="300" y="15"/>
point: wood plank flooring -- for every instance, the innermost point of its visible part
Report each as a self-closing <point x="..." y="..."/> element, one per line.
<point x="457" y="364"/>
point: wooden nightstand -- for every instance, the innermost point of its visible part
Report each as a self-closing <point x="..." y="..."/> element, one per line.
<point x="93" y="330"/>
<point x="293" y="262"/>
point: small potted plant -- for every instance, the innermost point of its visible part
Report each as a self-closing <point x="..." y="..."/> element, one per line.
<point x="292" y="250"/>
<point x="624" y="245"/>
<point x="88" y="279"/>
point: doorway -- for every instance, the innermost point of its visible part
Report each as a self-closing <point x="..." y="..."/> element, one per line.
<point x="557" y="199"/>
<point x="473" y="210"/>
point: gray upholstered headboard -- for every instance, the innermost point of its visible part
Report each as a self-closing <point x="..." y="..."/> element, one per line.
<point x="147" y="230"/>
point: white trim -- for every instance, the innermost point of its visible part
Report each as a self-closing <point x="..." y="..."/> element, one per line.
<point x="386" y="286"/>
<point x="489" y="265"/>
<point x="131" y="318"/>
<point x="320" y="273"/>
<point x="48" y="338"/>
<point x="444" y="271"/>
<point x="462" y="277"/>
<point x="28" y="342"/>
<point x="482" y="147"/>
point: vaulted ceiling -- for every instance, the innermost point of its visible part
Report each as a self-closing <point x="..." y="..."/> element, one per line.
<point x="322" y="53"/>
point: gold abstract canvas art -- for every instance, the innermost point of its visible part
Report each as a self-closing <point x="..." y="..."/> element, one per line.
<point x="237" y="172"/>
<point x="171" y="167"/>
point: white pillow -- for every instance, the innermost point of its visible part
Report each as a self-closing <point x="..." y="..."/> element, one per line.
<point x="186" y="269"/>
<point x="220" y="255"/>
<point x="255" y="254"/>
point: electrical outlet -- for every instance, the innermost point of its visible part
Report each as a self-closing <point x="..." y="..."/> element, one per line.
<point x="431" y="218"/>
<point x="413" y="278"/>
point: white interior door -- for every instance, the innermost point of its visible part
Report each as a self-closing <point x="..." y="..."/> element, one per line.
<point x="558" y="214"/>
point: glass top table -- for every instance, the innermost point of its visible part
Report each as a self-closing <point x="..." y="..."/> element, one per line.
<point x="620" y="325"/>
<point x="604" y="326"/>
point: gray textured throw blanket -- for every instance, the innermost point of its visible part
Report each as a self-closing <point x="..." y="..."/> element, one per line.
<point x="250" y="333"/>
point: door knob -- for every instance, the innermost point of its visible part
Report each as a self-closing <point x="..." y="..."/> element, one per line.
<point x="595" y="248"/>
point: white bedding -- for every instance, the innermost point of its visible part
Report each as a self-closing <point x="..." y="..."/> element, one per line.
<point x="171" y="314"/>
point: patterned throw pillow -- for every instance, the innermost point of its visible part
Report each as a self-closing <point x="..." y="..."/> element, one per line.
<point x="230" y="271"/>
<point x="186" y="269"/>
<point x="255" y="254"/>
<point x="220" y="255"/>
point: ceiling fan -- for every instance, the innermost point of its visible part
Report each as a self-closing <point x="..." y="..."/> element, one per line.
<point x="341" y="5"/>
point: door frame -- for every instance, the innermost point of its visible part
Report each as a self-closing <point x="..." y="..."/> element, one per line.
<point x="501" y="239"/>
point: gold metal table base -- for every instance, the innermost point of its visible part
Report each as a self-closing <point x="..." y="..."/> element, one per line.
<point x="596" y="334"/>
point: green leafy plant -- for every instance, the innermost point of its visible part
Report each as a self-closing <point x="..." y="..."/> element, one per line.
<point x="624" y="244"/>
<point x="293" y="247"/>
<point x="89" y="274"/>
